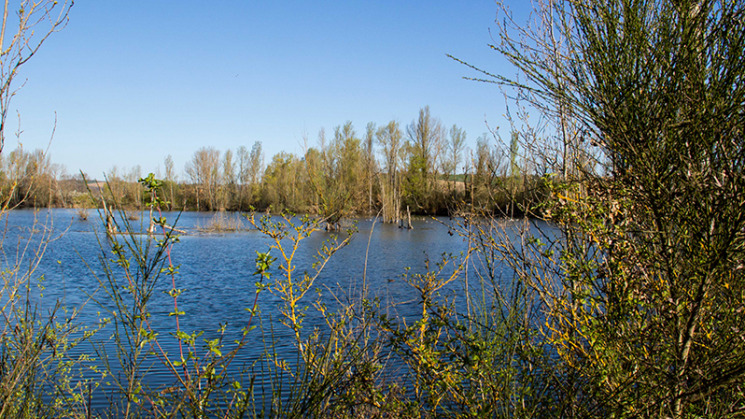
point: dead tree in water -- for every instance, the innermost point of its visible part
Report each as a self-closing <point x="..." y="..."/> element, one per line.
<point x="109" y="217"/>
<point x="408" y="225"/>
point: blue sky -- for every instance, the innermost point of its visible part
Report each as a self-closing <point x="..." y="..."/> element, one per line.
<point x="133" y="81"/>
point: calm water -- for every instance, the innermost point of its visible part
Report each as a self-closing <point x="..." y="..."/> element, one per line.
<point x="216" y="271"/>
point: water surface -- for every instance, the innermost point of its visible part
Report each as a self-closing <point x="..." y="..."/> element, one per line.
<point x="216" y="271"/>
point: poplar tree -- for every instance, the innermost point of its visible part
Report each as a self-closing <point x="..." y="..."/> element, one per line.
<point x="390" y="139"/>
<point x="425" y="144"/>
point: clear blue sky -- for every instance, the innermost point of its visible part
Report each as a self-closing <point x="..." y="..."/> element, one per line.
<point x="133" y="81"/>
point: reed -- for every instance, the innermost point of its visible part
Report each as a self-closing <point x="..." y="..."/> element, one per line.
<point x="222" y="222"/>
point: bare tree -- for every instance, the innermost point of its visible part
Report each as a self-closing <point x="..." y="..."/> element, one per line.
<point x="456" y="143"/>
<point x="36" y="21"/>
<point x="229" y="180"/>
<point x="170" y="178"/>
<point x="169" y="169"/>
<point x="243" y="175"/>
<point x="203" y="171"/>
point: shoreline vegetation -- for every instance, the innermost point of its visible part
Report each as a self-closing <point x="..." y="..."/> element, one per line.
<point x="630" y="306"/>
<point x="430" y="173"/>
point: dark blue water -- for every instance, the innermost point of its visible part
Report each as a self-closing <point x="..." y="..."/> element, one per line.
<point x="216" y="271"/>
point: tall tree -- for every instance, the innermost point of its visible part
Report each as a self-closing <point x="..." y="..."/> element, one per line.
<point x="370" y="168"/>
<point x="456" y="144"/>
<point x="228" y="182"/>
<point x="134" y="191"/>
<point x="339" y="186"/>
<point x="256" y="163"/>
<point x="280" y="182"/>
<point x="425" y="145"/>
<point x="204" y="173"/>
<point x="250" y="169"/>
<point x="483" y="176"/>
<point x="169" y="180"/>
<point x="390" y="139"/>
<point x="350" y="167"/>
<point x="314" y="167"/>
<point x="244" y="177"/>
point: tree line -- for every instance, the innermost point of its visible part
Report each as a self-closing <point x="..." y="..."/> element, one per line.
<point x="420" y="168"/>
<point x="625" y="300"/>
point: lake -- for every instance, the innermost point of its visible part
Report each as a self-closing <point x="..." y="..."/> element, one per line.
<point x="217" y="273"/>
